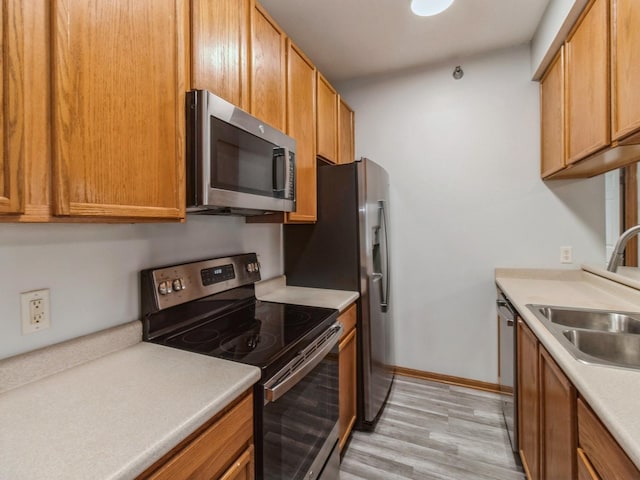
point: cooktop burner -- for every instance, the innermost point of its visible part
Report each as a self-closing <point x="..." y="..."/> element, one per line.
<point x="260" y="334"/>
<point x="209" y="307"/>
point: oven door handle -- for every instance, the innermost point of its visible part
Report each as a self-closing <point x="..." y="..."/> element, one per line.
<point x="302" y="364"/>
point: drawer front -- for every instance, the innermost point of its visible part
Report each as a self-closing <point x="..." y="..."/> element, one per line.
<point x="601" y="449"/>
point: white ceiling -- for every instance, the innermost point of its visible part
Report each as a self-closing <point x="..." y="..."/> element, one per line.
<point x="354" y="38"/>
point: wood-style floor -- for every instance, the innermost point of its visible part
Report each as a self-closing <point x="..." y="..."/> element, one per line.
<point x="431" y="430"/>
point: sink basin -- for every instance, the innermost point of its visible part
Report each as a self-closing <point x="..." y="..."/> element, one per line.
<point x="591" y="319"/>
<point x="594" y="336"/>
<point x="617" y="348"/>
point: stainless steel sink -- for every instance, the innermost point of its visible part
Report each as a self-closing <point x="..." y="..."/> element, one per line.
<point x="617" y="348"/>
<point x="594" y="336"/>
<point x="592" y="319"/>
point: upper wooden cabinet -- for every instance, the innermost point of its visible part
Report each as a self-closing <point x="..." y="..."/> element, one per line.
<point x="268" y="68"/>
<point x="552" y="146"/>
<point x="346" y="150"/>
<point x="220" y="49"/>
<point x="587" y="94"/>
<point x="601" y="125"/>
<point x="301" y="121"/>
<point x="625" y="68"/>
<point x="12" y="116"/>
<point x="327" y="126"/>
<point x="118" y="108"/>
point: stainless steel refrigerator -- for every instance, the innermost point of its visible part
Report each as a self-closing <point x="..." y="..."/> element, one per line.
<point x="348" y="249"/>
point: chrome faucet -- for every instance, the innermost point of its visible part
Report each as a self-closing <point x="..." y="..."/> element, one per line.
<point x="618" y="251"/>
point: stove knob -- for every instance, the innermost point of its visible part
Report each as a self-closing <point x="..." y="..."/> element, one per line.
<point x="178" y="284"/>
<point x="250" y="267"/>
<point x="257" y="266"/>
<point x="165" y="288"/>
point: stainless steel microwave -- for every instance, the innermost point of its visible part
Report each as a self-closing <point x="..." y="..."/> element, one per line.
<point x="236" y="164"/>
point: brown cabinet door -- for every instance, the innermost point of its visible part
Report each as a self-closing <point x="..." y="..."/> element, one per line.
<point x="242" y="469"/>
<point x="347" y="373"/>
<point x="224" y="449"/>
<point x="528" y="404"/>
<point x="345" y="133"/>
<point x="601" y="449"/>
<point x="327" y="123"/>
<point x="625" y="50"/>
<point x="268" y="69"/>
<point x="12" y="127"/>
<point x="557" y="421"/>
<point x="552" y="117"/>
<point x="220" y="49"/>
<point x="587" y="94"/>
<point x="585" y="469"/>
<point x="301" y="121"/>
<point x="118" y="108"/>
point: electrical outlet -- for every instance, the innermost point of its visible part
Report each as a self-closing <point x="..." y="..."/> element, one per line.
<point x="35" y="311"/>
<point x="566" y="255"/>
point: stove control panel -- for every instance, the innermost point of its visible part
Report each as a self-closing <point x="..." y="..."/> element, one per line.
<point x="166" y="287"/>
<point x="217" y="274"/>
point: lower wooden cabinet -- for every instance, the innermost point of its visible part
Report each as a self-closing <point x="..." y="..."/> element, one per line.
<point x="528" y="400"/>
<point x="347" y="374"/>
<point x="585" y="469"/>
<point x="601" y="456"/>
<point x="557" y="421"/>
<point x="221" y="449"/>
<point x="546" y="412"/>
<point x="560" y="436"/>
<point x="243" y="468"/>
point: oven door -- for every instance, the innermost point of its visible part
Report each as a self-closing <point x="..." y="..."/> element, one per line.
<point x="297" y="428"/>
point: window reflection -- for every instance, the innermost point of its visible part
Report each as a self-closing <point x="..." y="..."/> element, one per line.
<point x="621" y="210"/>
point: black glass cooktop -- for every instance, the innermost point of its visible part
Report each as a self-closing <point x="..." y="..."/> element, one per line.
<point x="263" y="334"/>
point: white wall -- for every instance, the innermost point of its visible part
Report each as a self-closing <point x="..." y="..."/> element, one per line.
<point x="466" y="197"/>
<point x="92" y="270"/>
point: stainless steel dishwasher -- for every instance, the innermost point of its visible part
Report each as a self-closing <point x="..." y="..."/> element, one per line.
<point x="507" y="374"/>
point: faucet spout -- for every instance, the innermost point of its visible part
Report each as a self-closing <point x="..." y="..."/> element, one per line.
<point x="618" y="251"/>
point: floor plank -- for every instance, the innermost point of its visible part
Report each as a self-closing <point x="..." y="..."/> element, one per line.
<point x="433" y="431"/>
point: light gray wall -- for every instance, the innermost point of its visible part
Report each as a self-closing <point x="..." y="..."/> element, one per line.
<point x="92" y="270"/>
<point x="466" y="197"/>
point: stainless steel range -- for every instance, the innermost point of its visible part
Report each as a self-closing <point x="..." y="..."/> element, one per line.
<point x="209" y="307"/>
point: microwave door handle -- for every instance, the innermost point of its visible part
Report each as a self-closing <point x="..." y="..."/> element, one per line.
<point x="204" y="150"/>
<point x="277" y="159"/>
<point x="289" y="165"/>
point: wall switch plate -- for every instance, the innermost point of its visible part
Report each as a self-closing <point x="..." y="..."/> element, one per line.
<point x="566" y="255"/>
<point x="35" y="311"/>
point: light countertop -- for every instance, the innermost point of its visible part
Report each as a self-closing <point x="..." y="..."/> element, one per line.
<point x="108" y="406"/>
<point x="612" y="392"/>
<point x="277" y="290"/>
<point x="114" y="416"/>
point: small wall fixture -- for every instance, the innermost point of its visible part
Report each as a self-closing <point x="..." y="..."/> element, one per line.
<point x="458" y="73"/>
<point x="427" y="8"/>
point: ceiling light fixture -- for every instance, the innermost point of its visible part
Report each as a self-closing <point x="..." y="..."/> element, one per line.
<point x="427" y="8"/>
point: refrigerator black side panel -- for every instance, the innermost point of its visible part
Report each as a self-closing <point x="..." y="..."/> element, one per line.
<point x="325" y="254"/>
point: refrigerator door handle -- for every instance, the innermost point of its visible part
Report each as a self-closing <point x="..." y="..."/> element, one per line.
<point x="385" y="292"/>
